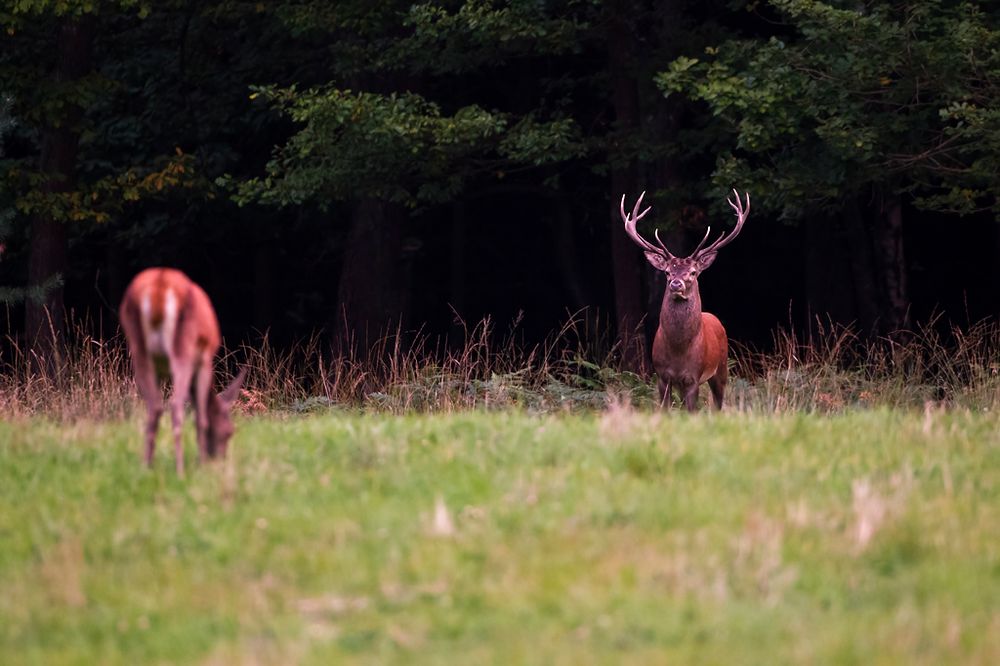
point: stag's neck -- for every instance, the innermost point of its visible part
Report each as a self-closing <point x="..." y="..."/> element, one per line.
<point x="681" y="320"/>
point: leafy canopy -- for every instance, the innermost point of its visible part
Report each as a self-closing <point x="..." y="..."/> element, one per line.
<point x="376" y="127"/>
<point x="396" y="146"/>
<point x="899" y="96"/>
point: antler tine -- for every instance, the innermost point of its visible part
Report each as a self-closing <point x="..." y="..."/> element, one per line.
<point x="621" y="210"/>
<point x="630" y="221"/>
<point x="704" y="238"/>
<point x="636" y="215"/>
<point x="741" y="213"/>
<point x="741" y="217"/>
<point x="630" y="228"/>
<point x="656" y="233"/>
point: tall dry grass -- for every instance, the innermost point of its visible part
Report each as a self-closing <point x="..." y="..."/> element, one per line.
<point x="417" y="372"/>
<point x="833" y="368"/>
<point x="87" y="377"/>
<point x="830" y="369"/>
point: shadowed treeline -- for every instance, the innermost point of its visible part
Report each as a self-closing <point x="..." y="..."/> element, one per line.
<point x="355" y="167"/>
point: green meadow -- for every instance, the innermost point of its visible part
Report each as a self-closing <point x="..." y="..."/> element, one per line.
<point x="476" y="537"/>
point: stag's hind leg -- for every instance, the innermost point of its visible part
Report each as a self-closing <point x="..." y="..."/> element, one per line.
<point x="718" y="385"/>
<point x="718" y="381"/>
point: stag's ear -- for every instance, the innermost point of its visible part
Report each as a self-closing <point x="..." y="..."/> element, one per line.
<point x="232" y="391"/>
<point x="705" y="260"/>
<point x="658" y="261"/>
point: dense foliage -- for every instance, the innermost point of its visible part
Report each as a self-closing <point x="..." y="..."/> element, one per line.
<point x="358" y="165"/>
<point x="896" y="96"/>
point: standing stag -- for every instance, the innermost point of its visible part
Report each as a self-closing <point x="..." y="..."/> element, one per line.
<point x="171" y="328"/>
<point x="690" y="347"/>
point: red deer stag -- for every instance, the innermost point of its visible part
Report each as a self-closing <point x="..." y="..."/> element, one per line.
<point x="171" y="327"/>
<point x="690" y="347"/>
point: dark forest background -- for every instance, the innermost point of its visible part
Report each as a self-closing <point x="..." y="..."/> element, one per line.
<point x="354" y="166"/>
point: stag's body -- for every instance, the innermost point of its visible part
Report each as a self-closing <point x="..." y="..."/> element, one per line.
<point x="171" y="328"/>
<point x="690" y="347"/>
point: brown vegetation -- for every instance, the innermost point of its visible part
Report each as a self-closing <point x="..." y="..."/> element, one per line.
<point x="829" y="370"/>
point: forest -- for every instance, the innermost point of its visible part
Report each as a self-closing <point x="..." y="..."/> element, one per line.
<point x="463" y="264"/>
<point x="355" y="168"/>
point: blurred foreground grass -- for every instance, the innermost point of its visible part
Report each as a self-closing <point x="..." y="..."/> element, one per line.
<point x="616" y="537"/>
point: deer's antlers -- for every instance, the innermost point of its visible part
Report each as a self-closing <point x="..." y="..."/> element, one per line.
<point x="742" y="213"/>
<point x="741" y="216"/>
<point x="634" y="233"/>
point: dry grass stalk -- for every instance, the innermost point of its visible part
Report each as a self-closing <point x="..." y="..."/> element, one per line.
<point x="830" y="370"/>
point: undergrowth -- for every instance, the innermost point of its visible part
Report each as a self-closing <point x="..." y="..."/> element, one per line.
<point x="830" y="370"/>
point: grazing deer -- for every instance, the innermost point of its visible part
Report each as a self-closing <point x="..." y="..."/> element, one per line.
<point x="690" y="346"/>
<point x="171" y="327"/>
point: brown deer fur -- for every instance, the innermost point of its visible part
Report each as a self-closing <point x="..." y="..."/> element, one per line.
<point x="171" y="328"/>
<point x="690" y="346"/>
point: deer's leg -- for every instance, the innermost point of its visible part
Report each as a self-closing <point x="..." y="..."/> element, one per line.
<point x="202" y="386"/>
<point x="718" y="385"/>
<point x="664" y="390"/>
<point x="691" y="397"/>
<point x="153" y="412"/>
<point x="182" y="387"/>
<point x="149" y="390"/>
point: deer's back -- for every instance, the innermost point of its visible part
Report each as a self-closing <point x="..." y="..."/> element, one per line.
<point x="172" y="312"/>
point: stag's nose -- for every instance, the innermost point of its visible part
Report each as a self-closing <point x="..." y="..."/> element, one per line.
<point x="677" y="285"/>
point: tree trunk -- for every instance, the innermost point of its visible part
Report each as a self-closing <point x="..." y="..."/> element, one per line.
<point x="862" y="264"/>
<point x="626" y="264"/>
<point x="996" y="268"/>
<point x="662" y="118"/>
<point x="47" y="258"/>
<point x="45" y="313"/>
<point x="458" y="276"/>
<point x="565" y="252"/>
<point x="263" y="278"/>
<point x="370" y="292"/>
<point x="829" y="273"/>
<point x="114" y="285"/>
<point x="626" y="259"/>
<point x="892" y="265"/>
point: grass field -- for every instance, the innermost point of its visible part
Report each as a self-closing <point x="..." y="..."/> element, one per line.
<point x="865" y="537"/>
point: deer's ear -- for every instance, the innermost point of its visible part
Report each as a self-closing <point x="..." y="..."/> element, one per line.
<point x="705" y="260"/>
<point x="232" y="391"/>
<point x="658" y="261"/>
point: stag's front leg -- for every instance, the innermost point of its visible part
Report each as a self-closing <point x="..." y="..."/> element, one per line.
<point x="691" y="397"/>
<point x="663" y="388"/>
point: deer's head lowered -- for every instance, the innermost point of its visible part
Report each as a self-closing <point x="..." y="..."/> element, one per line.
<point x="682" y="272"/>
<point x="220" y="418"/>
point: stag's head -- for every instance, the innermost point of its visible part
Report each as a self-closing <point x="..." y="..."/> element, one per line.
<point x="220" y="416"/>
<point x="682" y="272"/>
